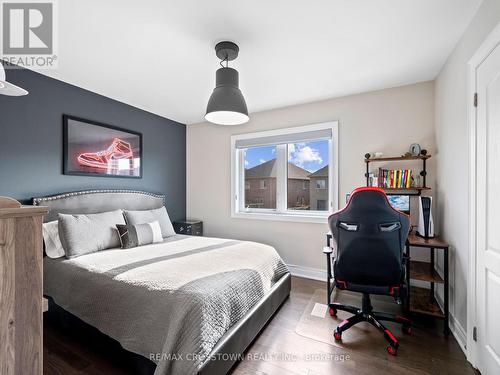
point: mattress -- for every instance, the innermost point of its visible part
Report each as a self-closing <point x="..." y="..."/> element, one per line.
<point x="169" y="302"/>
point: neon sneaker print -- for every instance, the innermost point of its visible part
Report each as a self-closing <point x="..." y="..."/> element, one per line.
<point x="106" y="159"/>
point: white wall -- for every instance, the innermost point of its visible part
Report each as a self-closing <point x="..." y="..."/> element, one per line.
<point x="452" y="156"/>
<point x="387" y="120"/>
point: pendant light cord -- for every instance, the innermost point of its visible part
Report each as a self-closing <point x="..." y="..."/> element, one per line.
<point x="226" y="60"/>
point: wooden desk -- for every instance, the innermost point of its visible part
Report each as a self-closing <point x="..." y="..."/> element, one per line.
<point x="421" y="300"/>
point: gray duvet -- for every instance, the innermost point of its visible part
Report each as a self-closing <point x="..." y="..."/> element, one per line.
<point x="170" y="302"/>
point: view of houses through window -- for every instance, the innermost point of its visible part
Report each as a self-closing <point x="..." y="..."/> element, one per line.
<point x="307" y="176"/>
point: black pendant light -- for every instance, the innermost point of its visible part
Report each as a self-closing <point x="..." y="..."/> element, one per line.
<point x="226" y="105"/>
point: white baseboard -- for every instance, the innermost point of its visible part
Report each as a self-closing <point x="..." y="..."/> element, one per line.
<point x="320" y="274"/>
<point x="455" y="327"/>
<point x="307" y="272"/>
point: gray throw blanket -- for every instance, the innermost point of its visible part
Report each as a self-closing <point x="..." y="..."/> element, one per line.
<point x="170" y="302"/>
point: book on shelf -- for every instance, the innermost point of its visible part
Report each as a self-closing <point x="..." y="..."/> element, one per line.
<point x="394" y="178"/>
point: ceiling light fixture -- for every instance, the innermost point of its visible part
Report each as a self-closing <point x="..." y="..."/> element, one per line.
<point x="7" y="88"/>
<point x="226" y="105"/>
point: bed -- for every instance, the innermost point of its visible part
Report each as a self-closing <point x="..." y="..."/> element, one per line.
<point x="190" y="305"/>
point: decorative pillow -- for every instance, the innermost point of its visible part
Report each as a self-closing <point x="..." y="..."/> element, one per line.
<point x="139" y="234"/>
<point x="148" y="216"/>
<point x="87" y="233"/>
<point x="53" y="246"/>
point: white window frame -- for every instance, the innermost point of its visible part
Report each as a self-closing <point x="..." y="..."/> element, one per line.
<point x="281" y="213"/>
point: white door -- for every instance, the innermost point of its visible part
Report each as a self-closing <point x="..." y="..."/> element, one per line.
<point x="488" y="214"/>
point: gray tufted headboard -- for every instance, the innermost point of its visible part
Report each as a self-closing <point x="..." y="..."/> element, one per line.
<point x="93" y="201"/>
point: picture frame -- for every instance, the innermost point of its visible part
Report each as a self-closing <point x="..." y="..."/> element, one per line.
<point x="92" y="148"/>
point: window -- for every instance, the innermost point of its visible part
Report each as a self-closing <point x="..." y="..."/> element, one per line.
<point x="257" y="174"/>
<point x="286" y="174"/>
<point x="320" y="184"/>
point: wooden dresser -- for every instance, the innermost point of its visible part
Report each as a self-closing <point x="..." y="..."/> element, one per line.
<point x="21" y="304"/>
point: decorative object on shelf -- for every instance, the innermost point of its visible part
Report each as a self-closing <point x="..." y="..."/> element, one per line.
<point x="415" y="149"/>
<point x="226" y="105"/>
<point x="419" y="182"/>
<point x="189" y="227"/>
<point x="95" y="149"/>
<point x="374" y="155"/>
<point x="423" y="152"/>
<point x="7" y="88"/>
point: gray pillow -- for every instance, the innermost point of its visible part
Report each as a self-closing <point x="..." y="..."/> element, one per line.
<point x="84" y="234"/>
<point x="148" y="216"/>
<point x="140" y="234"/>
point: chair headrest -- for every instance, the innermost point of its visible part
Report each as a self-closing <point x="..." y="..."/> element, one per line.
<point x="368" y="199"/>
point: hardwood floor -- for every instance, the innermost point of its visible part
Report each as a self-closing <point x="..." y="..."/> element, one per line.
<point x="280" y="350"/>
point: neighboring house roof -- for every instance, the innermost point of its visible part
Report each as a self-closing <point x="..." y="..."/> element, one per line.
<point x="323" y="172"/>
<point x="268" y="169"/>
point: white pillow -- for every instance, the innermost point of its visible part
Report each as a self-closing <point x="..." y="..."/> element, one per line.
<point x="53" y="246"/>
<point x="149" y="216"/>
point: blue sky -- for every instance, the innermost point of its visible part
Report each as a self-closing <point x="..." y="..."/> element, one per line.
<point x="308" y="155"/>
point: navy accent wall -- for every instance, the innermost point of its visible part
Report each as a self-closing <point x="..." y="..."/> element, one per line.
<point x="31" y="136"/>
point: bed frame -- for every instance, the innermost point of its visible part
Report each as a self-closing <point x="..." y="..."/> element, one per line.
<point x="237" y="339"/>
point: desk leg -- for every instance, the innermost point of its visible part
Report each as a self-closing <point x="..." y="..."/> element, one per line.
<point x="432" y="269"/>
<point x="446" y="293"/>
<point x="408" y="277"/>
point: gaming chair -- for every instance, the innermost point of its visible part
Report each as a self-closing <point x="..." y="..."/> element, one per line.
<point x="369" y="236"/>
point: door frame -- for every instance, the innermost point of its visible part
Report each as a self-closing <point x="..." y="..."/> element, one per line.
<point x="491" y="42"/>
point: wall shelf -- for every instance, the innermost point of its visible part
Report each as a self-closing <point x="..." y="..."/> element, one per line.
<point x="423" y="271"/>
<point x="411" y="188"/>
<point x="415" y="190"/>
<point x="397" y="158"/>
<point x="423" y="302"/>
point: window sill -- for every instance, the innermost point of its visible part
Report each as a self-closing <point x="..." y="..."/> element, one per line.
<point x="318" y="219"/>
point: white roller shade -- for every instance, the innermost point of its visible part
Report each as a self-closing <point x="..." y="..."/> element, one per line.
<point x="313" y="135"/>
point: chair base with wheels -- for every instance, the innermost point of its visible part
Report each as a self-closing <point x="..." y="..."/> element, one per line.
<point x="366" y="314"/>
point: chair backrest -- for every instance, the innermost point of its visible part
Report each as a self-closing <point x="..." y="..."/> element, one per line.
<point x="370" y="236"/>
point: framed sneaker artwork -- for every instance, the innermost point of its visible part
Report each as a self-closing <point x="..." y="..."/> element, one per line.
<point x="95" y="149"/>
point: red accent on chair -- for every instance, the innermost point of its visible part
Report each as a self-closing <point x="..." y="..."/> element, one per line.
<point x="393" y="289"/>
<point x="344" y="322"/>
<point x="403" y="318"/>
<point x="343" y="283"/>
<point x="389" y="333"/>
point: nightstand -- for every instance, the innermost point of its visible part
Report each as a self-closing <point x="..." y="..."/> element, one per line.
<point x="189" y="227"/>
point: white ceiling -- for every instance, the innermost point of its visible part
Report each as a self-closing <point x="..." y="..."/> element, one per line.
<point x="158" y="54"/>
